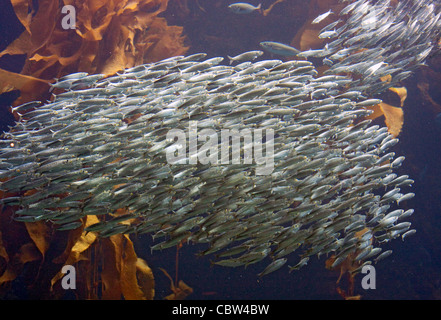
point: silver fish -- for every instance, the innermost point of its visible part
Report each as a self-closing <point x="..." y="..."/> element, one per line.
<point x="273" y="266"/>
<point x="246" y="56"/>
<point x="322" y="17"/>
<point x="243" y="8"/>
<point x="279" y="48"/>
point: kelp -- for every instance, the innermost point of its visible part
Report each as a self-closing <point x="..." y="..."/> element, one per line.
<point x="268" y="10"/>
<point x="107" y="268"/>
<point x="120" y="269"/>
<point x="36" y="252"/>
<point x="109" y="36"/>
<point x="180" y="290"/>
<point x="28" y="85"/>
<point x="394" y="115"/>
<point x="123" y="276"/>
<point x="349" y="267"/>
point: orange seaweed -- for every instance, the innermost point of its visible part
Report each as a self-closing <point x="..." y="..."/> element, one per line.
<point x="109" y="36"/>
<point x="394" y="116"/>
<point x="268" y="10"/>
<point x="180" y="291"/>
<point x="349" y="266"/>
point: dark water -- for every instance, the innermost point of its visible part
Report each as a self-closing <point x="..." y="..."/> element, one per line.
<point x="414" y="269"/>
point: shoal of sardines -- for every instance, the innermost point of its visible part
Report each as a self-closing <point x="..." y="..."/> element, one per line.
<point x="105" y="143"/>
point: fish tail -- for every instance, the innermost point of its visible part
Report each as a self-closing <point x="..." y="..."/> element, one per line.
<point x="259" y="8"/>
<point x="231" y="59"/>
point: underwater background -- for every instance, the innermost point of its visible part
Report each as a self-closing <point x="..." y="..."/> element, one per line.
<point x="414" y="269"/>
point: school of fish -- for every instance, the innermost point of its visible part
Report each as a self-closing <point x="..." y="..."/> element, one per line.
<point x="101" y="145"/>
